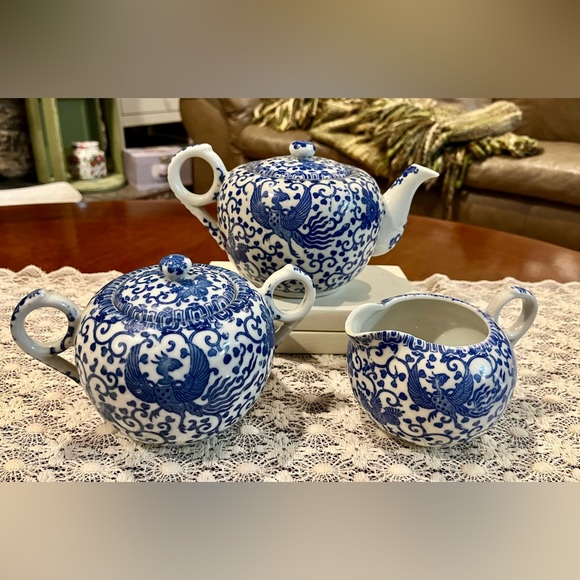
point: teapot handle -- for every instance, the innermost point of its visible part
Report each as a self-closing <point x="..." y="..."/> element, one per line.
<point x="527" y="314"/>
<point x="195" y="202"/>
<point x="289" y="318"/>
<point x="46" y="353"/>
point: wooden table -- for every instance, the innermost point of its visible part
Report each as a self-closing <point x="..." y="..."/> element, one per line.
<point x="124" y="235"/>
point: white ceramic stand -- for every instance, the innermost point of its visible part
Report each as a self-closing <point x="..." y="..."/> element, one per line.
<point x="322" y="330"/>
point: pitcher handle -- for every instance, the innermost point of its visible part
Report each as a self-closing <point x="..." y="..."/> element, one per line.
<point x="192" y="201"/>
<point x="527" y="314"/>
<point x="289" y="318"/>
<point x="48" y="352"/>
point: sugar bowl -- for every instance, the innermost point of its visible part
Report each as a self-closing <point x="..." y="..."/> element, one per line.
<point x="172" y="353"/>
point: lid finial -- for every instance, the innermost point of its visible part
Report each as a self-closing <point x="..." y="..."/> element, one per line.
<point x="175" y="266"/>
<point x="302" y="149"/>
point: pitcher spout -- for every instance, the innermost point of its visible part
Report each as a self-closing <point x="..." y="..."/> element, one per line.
<point x="397" y="202"/>
<point x="362" y="325"/>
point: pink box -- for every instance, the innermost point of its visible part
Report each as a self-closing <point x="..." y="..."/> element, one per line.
<point x="146" y="167"/>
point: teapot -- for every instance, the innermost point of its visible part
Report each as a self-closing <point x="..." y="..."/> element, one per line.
<point x="326" y="217"/>
<point x="434" y="370"/>
<point x="173" y="353"/>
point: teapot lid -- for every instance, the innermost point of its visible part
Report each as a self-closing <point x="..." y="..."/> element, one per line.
<point x="300" y="165"/>
<point x="175" y="292"/>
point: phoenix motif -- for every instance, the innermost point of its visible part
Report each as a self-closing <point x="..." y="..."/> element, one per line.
<point x="451" y="402"/>
<point x="173" y="395"/>
<point x="286" y="222"/>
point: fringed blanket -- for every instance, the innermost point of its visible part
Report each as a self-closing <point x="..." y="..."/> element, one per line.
<point x="387" y="135"/>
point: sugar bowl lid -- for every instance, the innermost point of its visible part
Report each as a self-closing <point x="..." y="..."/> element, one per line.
<point x="175" y="292"/>
<point x="300" y="165"/>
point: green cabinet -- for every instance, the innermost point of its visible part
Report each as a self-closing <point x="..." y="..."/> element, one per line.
<point x="56" y="123"/>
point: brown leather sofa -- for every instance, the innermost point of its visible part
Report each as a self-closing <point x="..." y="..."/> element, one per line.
<point x="536" y="196"/>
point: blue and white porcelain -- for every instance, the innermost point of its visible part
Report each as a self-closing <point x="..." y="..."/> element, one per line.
<point x="173" y="353"/>
<point x="433" y="370"/>
<point x="325" y="217"/>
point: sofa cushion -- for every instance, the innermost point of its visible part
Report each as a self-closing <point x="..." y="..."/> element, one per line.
<point x="238" y="112"/>
<point x="549" y="119"/>
<point x="551" y="222"/>
<point x="553" y="175"/>
<point x="257" y="142"/>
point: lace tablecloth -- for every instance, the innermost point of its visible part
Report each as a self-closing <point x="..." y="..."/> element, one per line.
<point x="306" y="425"/>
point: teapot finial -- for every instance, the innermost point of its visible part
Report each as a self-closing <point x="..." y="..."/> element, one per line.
<point x="302" y="149"/>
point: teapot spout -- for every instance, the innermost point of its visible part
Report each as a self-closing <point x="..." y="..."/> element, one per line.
<point x="397" y="202"/>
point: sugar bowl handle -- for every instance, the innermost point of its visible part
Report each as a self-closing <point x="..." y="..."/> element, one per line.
<point x="48" y="352"/>
<point x="527" y="314"/>
<point x="289" y="318"/>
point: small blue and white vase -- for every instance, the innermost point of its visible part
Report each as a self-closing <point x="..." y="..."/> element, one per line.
<point x="325" y="217"/>
<point x="433" y="370"/>
<point x="170" y="354"/>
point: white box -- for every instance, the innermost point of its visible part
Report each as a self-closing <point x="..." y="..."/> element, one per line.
<point x="322" y="330"/>
<point x="146" y="167"/>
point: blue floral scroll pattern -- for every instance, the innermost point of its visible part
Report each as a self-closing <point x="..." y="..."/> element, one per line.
<point x="300" y="169"/>
<point x="164" y="382"/>
<point x="430" y="394"/>
<point x="148" y="295"/>
<point x="411" y="169"/>
<point x="328" y="229"/>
